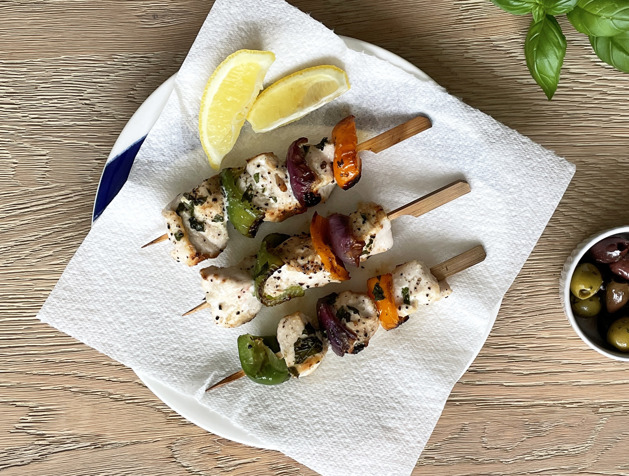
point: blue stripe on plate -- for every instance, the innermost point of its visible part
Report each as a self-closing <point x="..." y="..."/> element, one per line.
<point x="114" y="177"/>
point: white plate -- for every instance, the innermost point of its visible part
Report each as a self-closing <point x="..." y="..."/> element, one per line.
<point x="125" y="149"/>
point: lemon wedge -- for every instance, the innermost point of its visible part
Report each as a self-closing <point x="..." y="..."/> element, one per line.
<point x="228" y="95"/>
<point x="295" y="95"/>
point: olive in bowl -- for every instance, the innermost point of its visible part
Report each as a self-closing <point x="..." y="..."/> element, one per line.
<point x="594" y="290"/>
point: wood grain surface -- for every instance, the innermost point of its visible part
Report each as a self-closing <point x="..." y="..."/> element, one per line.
<point x="535" y="401"/>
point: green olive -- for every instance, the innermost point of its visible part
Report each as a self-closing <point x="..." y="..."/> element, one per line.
<point x="618" y="334"/>
<point x="589" y="307"/>
<point x="586" y="281"/>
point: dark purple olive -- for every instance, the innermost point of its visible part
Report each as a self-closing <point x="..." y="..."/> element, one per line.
<point x="340" y="337"/>
<point x="347" y="248"/>
<point x="617" y="295"/>
<point x="621" y="268"/>
<point x="301" y="176"/>
<point x="610" y="250"/>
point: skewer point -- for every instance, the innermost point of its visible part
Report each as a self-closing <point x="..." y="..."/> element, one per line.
<point x="159" y="239"/>
<point x="226" y="380"/>
<point x="203" y="305"/>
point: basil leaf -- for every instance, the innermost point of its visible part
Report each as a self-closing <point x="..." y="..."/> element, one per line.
<point x="307" y="347"/>
<point x="378" y="292"/>
<point x="613" y="50"/>
<point x="545" y="49"/>
<point x="558" y="7"/>
<point x="517" y="7"/>
<point x="538" y="13"/>
<point x="600" y="17"/>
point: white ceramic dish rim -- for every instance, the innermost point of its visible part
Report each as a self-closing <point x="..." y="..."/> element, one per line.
<point x="564" y="289"/>
<point x="137" y="128"/>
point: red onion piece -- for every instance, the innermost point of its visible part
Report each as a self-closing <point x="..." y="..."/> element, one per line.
<point x="610" y="250"/>
<point x="301" y="175"/>
<point x="340" y="337"/>
<point x="344" y="245"/>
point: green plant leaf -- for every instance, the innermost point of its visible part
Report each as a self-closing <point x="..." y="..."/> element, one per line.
<point x="600" y="17"/>
<point x="537" y="7"/>
<point x="545" y="49"/>
<point x="538" y="13"/>
<point x="517" y="7"/>
<point x="614" y="50"/>
<point x="558" y="7"/>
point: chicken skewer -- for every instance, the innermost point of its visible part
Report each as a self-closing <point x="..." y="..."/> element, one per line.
<point x="350" y="319"/>
<point x="264" y="190"/>
<point x="287" y="266"/>
<point x="298" y="349"/>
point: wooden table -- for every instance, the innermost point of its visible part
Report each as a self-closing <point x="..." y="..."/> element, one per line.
<point x="535" y="401"/>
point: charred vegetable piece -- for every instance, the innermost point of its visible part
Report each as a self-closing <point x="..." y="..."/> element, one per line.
<point x="320" y="234"/>
<point x="302" y="177"/>
<point x="610" y="249"/>
<point x="243" y="214"/>
<point x="617" y="295"/>
<point x="259" y="362"/>
<point x="340" y="337"/>
<point x="621" y="267"/>
<point x="586" y="281"/>
<point x="347" y="165"/>
<point x="344" y="245"/>
<point x="267" y="262"/>
<point x="380" y="289"/>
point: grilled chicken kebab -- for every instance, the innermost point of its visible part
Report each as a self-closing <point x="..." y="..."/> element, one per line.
<point x="265" y="189"/>
<point x="286" y="266"/>
<point x="345" y="322"/>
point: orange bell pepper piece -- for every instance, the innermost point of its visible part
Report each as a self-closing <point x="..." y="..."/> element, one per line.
<point x="380" y="289"/>
<point x="319" y="232"/>
<point x="346" y="165"/>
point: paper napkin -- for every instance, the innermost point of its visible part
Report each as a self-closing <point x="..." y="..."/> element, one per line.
<point x="369" y="413"/>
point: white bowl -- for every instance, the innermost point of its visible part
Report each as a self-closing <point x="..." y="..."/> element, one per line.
<point x="585" y="327"/>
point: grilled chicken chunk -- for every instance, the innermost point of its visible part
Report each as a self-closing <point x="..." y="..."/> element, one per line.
<point x="302" y="267"/>
<point x="265" y="180"/>
<point x="414" y="286"/>
<point x="359" y="314"/>
<point x="230" y="294"/>
<point x="370" y="224"/>
<point x="319" y="158"/>
<point x="197" y="223"/>
<point x="302" y="345"/>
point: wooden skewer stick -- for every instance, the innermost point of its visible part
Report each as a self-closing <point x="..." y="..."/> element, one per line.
<point x="440" y="271"/>
<point x="159" y="239"/>
<point x="375" y="144"/>
<point x="396" y="135"/>
<point x="433" y="200"/>
<point x="226" y="380"/>
<point x="460" y="262"/>
<point x="415" y="208"/>
<point x="203" y="305"/>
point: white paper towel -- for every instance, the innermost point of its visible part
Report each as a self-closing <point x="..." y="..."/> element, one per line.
<point x="370" y="413"/>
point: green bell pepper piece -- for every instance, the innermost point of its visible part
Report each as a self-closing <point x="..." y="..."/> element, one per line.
<point x="259" y="362"/>
<point x="243" y="214"/>
<point x="267" y="262"/>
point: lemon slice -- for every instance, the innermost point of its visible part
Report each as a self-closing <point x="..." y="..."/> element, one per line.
<point x="228" y="95"/>
<point x="295" y="95"/>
